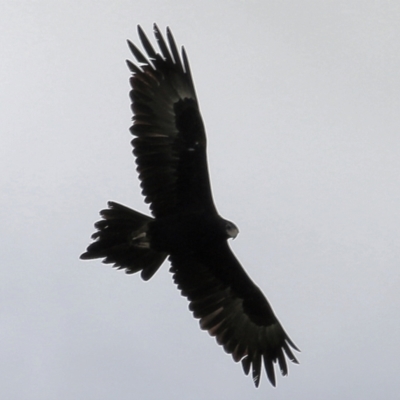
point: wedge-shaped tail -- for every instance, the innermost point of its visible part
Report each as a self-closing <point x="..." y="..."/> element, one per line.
<point x="121" y="239"/>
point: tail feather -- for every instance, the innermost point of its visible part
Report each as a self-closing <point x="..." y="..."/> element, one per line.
<point x="121" y="239"/>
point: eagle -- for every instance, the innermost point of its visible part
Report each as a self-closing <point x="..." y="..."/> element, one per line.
<point x="169" y="146"/>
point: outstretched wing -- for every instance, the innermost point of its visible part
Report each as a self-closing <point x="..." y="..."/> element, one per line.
<point x="234" y="310"/>
<point x="170" y="143"/>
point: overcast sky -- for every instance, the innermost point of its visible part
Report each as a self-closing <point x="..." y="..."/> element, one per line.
<point x="302" y="109"/>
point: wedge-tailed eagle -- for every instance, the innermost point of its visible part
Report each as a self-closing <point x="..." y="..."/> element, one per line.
<point x="170" y="149"/>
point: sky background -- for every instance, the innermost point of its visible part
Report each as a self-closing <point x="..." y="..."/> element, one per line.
<point x="302" y="109"/>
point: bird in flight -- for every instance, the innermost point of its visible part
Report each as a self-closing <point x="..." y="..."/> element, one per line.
<point x="170" y="149"/>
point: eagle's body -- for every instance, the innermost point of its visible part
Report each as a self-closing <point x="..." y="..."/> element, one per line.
<point x="170" y="151"/>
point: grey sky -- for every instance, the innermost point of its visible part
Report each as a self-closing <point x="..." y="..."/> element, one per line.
<point x="301" y="106"/>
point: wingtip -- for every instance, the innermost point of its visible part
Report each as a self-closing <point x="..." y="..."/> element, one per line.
<point x="131" y="46"/>
<point x="141" y="32"/>
<point x="129" y="64"/>
<point x="84" y="256"/>
<point x="156" y="28"/>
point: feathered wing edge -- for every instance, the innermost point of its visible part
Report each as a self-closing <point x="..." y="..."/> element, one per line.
<point x="222" y="314"/>
<point x="161" y="82"/>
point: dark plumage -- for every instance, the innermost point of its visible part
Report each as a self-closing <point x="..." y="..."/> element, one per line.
<point x="170" y="151"/>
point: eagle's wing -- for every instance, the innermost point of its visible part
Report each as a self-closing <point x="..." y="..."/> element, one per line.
<point x="170" y="143"/>
<point x="234" y="310"/>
